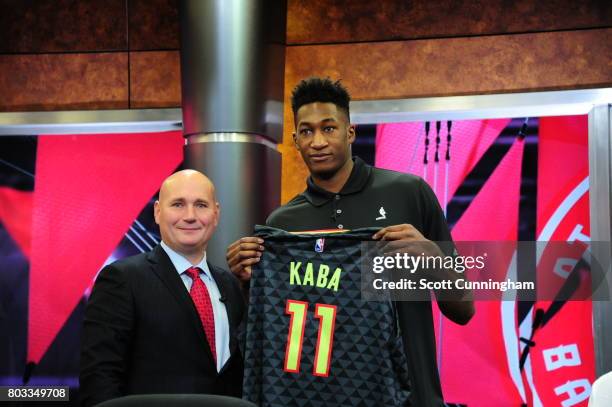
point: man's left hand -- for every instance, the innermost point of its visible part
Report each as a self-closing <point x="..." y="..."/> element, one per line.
<point x="407" y="233"/>
<point x="405" y="238"/>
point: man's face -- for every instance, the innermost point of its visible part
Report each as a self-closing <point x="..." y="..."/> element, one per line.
<point x="323" y="136"/>
<point x="186" y="212"/>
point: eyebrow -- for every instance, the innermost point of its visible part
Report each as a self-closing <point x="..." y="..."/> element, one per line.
<point x="180" y="199"/>
<point x="328" y="119"/>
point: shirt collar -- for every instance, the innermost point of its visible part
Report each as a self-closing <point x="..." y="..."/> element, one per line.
<point x="355" y="183"/>
<point x="181" y="264"/>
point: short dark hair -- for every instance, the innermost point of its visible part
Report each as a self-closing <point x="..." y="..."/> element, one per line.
<point x="323" y="90"/>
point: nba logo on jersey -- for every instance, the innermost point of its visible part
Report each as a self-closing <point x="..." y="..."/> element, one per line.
<point x="319" y="245"/>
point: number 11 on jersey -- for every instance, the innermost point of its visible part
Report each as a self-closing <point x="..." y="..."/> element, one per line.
<point x="325" y="339"/>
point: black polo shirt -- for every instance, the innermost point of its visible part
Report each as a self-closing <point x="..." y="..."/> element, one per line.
<point x="374" y="197"/>
<point x="371" y="197"/>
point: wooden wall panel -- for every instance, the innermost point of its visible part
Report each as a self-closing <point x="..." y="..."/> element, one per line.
<point x="155" y="79"/>
<point x="332" y="21"/>
<point x="62" y="25"/>
<point x="63" y="82"/>
<point x="461" y="66"/>
<point x="153" y="24"/>
<point x="446" y="67"/>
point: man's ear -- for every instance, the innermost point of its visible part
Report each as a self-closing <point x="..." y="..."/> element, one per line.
<point x="217" y="213"/>
<point x="156" y="210"/>
<point x="351" y="133"/>
<point x="295" y="141"/>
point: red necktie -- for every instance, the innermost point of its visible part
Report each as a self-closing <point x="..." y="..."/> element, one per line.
<point x="201" y="300"/>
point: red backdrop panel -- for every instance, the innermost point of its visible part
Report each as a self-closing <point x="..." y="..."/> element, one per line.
<point x="88" y="190"/>
<point x="562" y="361"/>
<point x="16" y="215"/>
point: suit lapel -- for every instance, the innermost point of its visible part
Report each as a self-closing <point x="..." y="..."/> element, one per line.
<point x="165" y="270"/>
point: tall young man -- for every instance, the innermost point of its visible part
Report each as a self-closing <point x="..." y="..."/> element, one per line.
<point x="345" y="193"/>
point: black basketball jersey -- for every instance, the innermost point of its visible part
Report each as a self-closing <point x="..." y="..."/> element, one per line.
<point x="311" y="340"/>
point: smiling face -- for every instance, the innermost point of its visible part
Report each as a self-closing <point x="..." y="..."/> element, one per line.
<point x="323" y="137"/>
<point x="187" y="212"/>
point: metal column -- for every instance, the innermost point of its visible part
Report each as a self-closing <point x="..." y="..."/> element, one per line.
<point x="600" y="179"/>
<point x="232" y="67"/>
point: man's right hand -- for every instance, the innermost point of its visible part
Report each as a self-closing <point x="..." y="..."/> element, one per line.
<point x="242" y="254"/>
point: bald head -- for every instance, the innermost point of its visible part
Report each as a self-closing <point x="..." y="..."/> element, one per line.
<point x="187" y="213"/>
<point x="191" y="176"/>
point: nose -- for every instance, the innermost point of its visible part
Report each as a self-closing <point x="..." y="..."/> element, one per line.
<point x="189" y="214"/>
<point x="319" y="141"/>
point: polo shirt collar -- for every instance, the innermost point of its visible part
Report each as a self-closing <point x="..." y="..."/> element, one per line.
<point x="358" y="179"/>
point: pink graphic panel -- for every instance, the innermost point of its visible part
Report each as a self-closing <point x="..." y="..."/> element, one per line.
<point x="480" y="347"/>
<point x="16" y="215"/>
<point x="401" y="147"/>
<point x="562" y="359"/>
<point x="88" y="190"/>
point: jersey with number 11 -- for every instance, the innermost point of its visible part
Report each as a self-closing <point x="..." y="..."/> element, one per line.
<point x="311" y="339"/>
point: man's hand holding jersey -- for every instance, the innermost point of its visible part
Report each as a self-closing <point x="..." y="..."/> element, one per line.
<point x="246" y="252"/>
<point x="405" y="238"/>
<point x="242" y="255"/>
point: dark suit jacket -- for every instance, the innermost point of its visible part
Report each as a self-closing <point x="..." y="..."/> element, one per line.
<point x="142" y="333"/>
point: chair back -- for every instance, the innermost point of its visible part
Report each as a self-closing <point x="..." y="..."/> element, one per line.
<point x="601" y="392"/>
<point x="178" y="400"/>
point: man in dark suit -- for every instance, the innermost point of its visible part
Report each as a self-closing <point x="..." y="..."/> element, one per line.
<point x="166" y="321"/>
